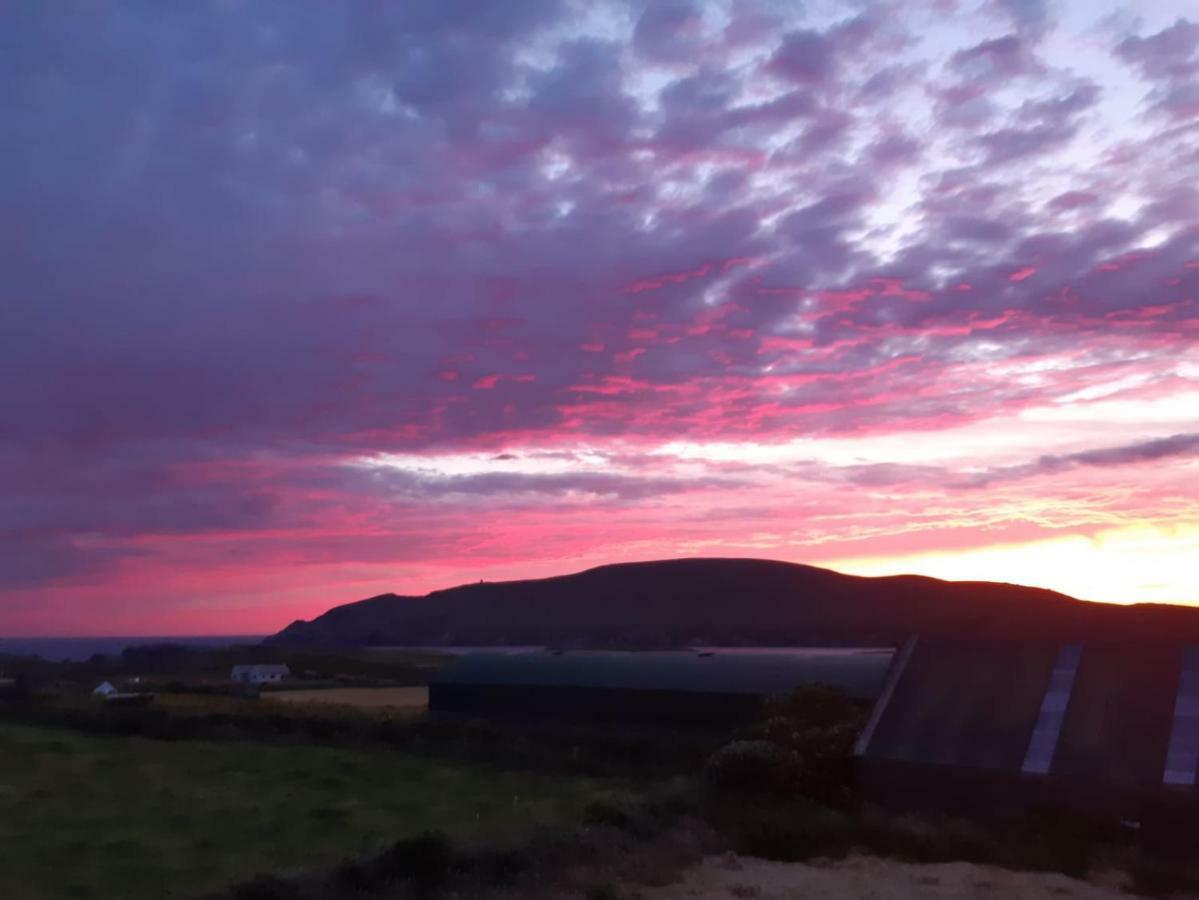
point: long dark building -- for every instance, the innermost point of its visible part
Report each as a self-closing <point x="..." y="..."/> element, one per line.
<point x="678" y="688"/>
<point x="980" y="728"/>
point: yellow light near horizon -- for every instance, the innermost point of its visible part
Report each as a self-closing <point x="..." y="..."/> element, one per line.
<point x="1137" y="564"/>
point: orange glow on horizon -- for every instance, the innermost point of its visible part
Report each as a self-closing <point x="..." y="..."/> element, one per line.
<point x="1137" y="564"/>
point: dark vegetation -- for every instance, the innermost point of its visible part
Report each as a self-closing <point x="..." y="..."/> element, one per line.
<point x="782" y="787"/>
<point x="549" y="747"/>
<point x="684" y="602"/>
<point x="177" y="667"/>
<point x="105" y="817"/>
<point x="800" y="746"/>
<point x="616" y="843"/>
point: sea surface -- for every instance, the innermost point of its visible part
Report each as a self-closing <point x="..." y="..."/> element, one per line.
<point x="74" y="649"/>
<point x="805" y="651"/>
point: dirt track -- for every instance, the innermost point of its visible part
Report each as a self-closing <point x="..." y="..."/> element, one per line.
<point x="871" y="878"/>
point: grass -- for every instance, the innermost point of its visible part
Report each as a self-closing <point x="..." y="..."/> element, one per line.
<point x="610" y="750"/>
<point x="112" y="817"/>
<point x="411" y="698"/>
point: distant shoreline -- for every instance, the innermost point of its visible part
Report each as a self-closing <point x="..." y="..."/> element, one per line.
<point x="80" y="649"/>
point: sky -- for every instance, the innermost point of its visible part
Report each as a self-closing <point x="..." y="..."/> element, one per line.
<point x="304" y="302"/>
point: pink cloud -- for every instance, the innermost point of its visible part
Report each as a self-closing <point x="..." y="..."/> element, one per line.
<point x="677" y="233"/>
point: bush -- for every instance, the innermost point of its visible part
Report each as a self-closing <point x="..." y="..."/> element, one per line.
<point x="926" y="839"/>
<point x="787" y="832"/>
<point x="614" y="812"/>
<point x="501" y="866"/>
<point x="425" y="861"/>
<point x="604" y="892"/>
<point x="673" y="799"/>
<point x="266" y="887"/>
<point x="800" y="747"/>
<point x="754" y="766"/>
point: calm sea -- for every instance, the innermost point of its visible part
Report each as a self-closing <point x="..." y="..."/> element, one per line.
<point x="62" y="649"/>
<point x="462" y="650"/>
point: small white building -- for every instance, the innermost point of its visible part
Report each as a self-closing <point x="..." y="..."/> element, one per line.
<point x="105" y="689"/>
<point x="259" y="674"/>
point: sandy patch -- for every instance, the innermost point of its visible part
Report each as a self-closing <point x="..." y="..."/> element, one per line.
<point x="871" y="878"/>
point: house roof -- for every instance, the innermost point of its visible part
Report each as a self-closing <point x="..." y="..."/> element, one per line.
<point x="262" y="669"/>
<point x="1108" y="713"/>
<point x="860" y="673"/>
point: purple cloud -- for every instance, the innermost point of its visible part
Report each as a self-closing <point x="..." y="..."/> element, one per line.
<point x="668" y="30"/>
<point x="247" y="247"/>
<point x="1175" y="446"/>
<point x="805" y="56"/>
<point x="1169" y="60"/>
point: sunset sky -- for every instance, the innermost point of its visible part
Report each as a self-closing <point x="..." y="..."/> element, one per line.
<point x="307" y="301"/>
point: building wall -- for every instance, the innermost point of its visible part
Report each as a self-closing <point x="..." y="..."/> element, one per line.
<point x="991" y="793"/>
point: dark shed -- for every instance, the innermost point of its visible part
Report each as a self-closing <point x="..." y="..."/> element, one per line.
<point x="696" y="688"/>
<point x="983" y="728"/>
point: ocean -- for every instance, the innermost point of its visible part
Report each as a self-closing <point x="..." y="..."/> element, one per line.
<point x="74" y="649"/>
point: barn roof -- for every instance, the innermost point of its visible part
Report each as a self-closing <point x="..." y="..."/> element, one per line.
<point x="1104" y="713"/>
<point x="858" y="673"/>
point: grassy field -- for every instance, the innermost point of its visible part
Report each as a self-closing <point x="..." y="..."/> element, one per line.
<point x="408" y="698"/>
<point x="113" y="818"/>
<point x="336" y="703"/>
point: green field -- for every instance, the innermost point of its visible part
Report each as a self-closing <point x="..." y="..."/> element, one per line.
<point x="109" y="817"/>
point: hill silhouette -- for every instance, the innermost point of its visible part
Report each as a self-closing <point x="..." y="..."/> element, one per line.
<point x="733" y="602"/>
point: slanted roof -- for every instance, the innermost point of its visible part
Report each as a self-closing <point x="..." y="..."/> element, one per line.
<point x="965" y="704"/>
<point x="1118" y="723"/>
<point x="104" y="687"/>
<point x="1102" y="713"/>
<point x="860" y="674"/>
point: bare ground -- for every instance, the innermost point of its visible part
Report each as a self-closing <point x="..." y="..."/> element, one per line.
<point x="860" y="877"/>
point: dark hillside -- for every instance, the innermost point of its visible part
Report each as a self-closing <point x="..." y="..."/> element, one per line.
<point x="729" y="601"/>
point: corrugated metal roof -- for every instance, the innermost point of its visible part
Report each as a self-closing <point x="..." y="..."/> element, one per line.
<point x="1048" y="731"/>
<point x="1117" y="727"/>
<point x="1103" y="713"/>
<point x="965" y="704"/>
<point x="859" y="673"/>
<point x="1182" y="760"/>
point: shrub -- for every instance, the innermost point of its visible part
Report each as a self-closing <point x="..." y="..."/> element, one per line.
<point x="926" y="839"/>
<point x="501" y="866"/>
<point x="266" y="887"/>
<point x="604" y="892"/>
<point x="754" y="766"/>
<point x="425" y="861"/>
<point x="615" y="812"/>
<point x="673" y="799"/>
<point x="800" y="747"/>
<point x="788" y="832"/>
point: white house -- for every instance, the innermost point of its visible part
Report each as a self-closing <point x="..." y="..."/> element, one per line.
<point x="105" y="689"/>
<point x="260" y="674"/>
